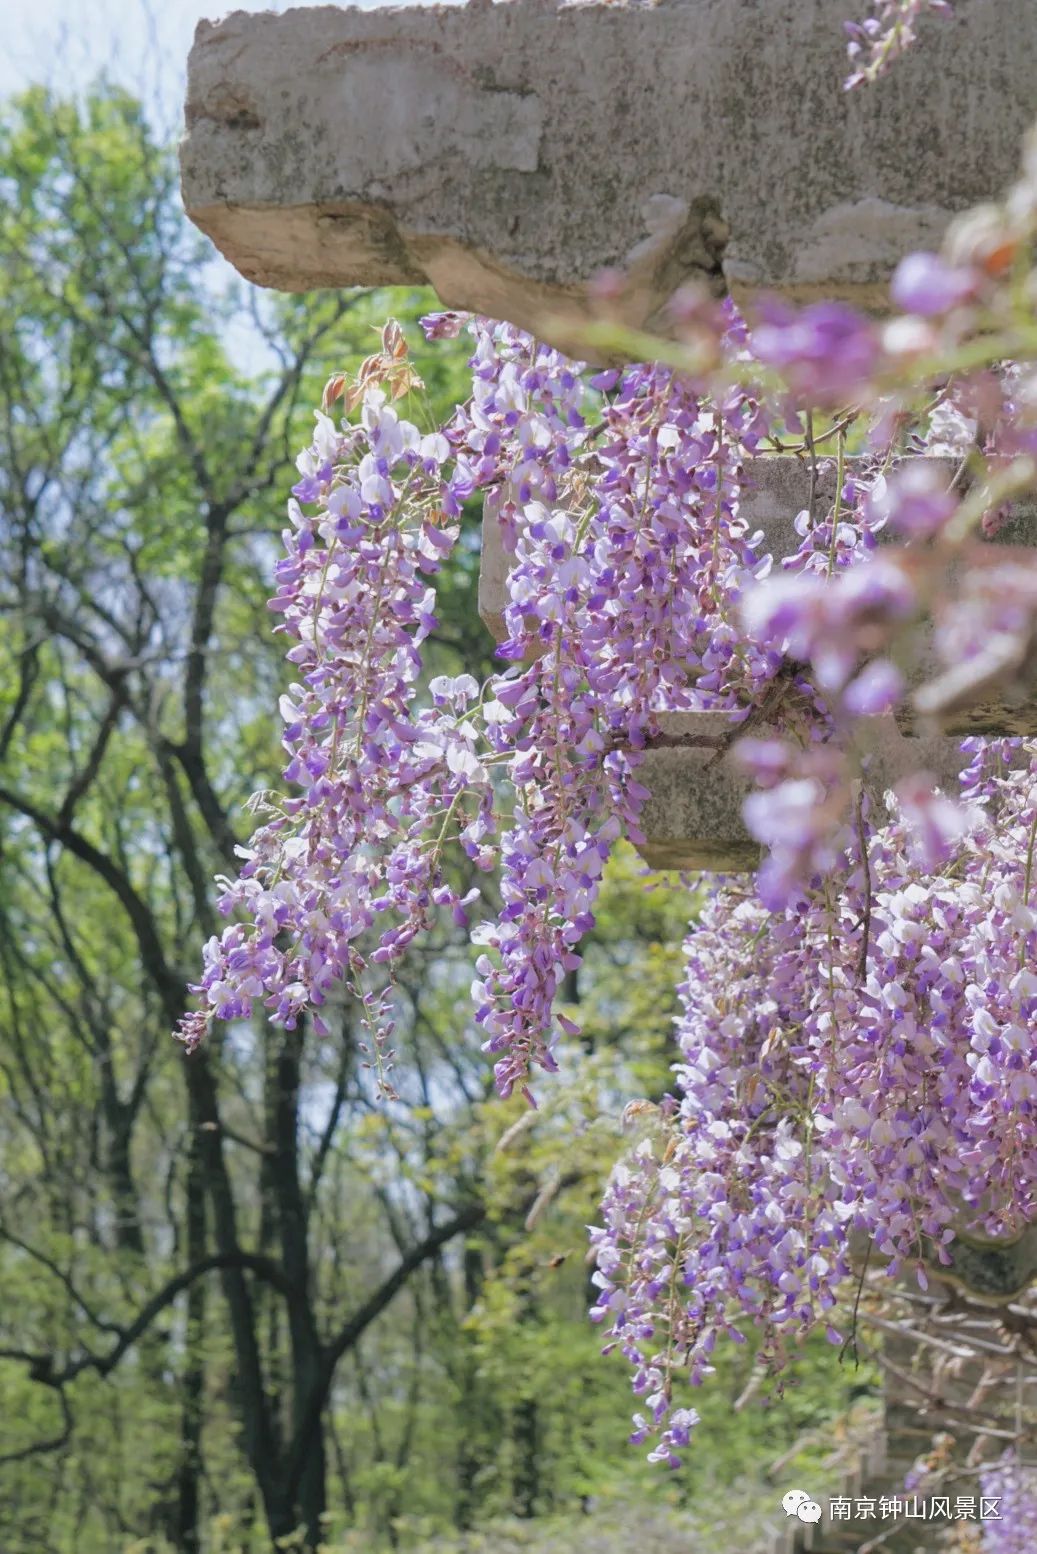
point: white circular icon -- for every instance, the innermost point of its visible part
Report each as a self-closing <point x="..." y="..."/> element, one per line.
<point x="793" y="1500"/>
<point x="809" y="1511"/>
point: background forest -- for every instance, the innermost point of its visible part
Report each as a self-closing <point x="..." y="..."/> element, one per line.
<point x="242" y="1296"/>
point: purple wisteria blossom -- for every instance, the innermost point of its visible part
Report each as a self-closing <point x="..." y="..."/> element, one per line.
<point x="914" y="501"/>
<point x="859" y="1065"/>
<point x="1012" y="1486"/>
<point x="884" y="34"/>
<point x="341" y="876"/>
<point x="826" y="352"/>
<point x="929" y="285"/>
<point x="832" y="624"/>
<point x="627" y="553"/>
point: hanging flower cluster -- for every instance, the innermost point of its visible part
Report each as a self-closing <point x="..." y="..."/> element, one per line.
<point x="634" y="590"/>
<point x="862" y="1066"/>
<point x="626" y="544"/>
<point x="858" y="1067"/>
<point x="347" y="869"/>
<point x="628" y="554"/>
<point x="1014" y="1485"/>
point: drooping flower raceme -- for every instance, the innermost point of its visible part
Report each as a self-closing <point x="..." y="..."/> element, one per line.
<point x="628" y="554"/>
<point x="1012" y="1487"/>
<point x="626" y="547"/>
<point x="634" y="591"/>
<point x="862" y="1066"/>
<point x="346" y="868"/>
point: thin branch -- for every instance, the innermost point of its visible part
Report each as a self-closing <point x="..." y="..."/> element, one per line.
<point x="265" y="1268"/>
<point x="41" y="1448"/>
<point x="862" y="838"/>
<point x="27" y="674"/>
<point x="82" y="783"/>
<point x="63" y="1278"/>
<point x="167" y="983"/>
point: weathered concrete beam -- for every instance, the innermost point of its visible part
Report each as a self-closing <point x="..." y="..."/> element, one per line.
<point x="507" y="153"/>
<point x="692" y="818"/>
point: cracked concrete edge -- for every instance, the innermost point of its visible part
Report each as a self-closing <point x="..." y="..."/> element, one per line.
<point x="507" y="153"/>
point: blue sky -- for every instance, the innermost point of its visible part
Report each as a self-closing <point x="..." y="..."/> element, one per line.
<point x="142" y="43"/>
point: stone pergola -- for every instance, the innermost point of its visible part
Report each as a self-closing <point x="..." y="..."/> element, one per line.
<point x="507" y="153"/>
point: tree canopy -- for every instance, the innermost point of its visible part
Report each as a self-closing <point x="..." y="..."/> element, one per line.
<point x="245" y="1299"/>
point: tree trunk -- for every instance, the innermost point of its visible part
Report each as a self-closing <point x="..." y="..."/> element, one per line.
<point x="188" y="1508"/>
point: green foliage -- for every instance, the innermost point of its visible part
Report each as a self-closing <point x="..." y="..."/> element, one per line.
<point x="149" y="413"/>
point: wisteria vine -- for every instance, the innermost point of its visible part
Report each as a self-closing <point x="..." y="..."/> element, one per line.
<point x="856" y="1054"/>
<point x="882" y="36"/>
<point x="821" y="1110"/>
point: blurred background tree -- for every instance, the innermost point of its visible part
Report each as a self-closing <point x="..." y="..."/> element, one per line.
<point x="244" y="1302"/>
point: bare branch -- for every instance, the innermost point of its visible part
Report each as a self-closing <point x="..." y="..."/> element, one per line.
<point x="352" y="1331"/>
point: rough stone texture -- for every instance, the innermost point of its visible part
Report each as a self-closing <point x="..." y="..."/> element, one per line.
<point x="692" y="818"/>
<point x="990" y="1270"/>
<point x="994" y="1271"/>
<point x="506" y="153"/>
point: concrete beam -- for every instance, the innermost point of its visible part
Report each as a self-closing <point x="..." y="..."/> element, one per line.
<point x="692" y="818"/>
<point x="507" y="153"/>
